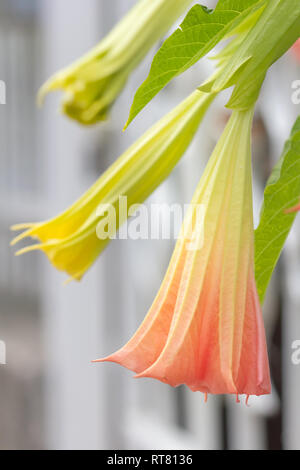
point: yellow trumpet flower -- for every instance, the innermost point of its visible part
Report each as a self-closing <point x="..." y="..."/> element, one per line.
<point x="70" y="240"/>
<point x="93" y="83"/>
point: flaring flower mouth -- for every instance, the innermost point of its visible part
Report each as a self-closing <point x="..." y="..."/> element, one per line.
<point x="205" y="327"/>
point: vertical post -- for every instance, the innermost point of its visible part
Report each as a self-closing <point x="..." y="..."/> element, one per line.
<point x="71" y="326"/>
<point x="291" y="333"/>
<point x="281" y="112"/>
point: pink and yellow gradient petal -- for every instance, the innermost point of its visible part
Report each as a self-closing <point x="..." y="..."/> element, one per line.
<point x="205" y="327"/>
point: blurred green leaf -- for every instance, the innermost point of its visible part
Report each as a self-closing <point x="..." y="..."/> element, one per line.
<point x="282" y="192"/>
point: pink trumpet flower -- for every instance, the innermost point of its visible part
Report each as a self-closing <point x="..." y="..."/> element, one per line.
<point x="205" y="327"/>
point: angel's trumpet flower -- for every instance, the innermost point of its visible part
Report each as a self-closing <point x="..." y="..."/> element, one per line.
<point x="93" y="83"/>
<point x="205" y="327"/>
<point x="70" y="240"/>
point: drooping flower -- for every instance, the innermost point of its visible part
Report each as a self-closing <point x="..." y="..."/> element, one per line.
<point x="70" y="240"/>
<point x="93" y="83"/>
<point x="205" y="327"/>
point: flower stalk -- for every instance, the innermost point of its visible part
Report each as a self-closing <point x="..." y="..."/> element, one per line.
<point x="275" y="31"/>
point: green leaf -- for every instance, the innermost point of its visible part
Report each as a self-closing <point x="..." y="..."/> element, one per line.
<point x="282" y="192"/>
<point x="200" y="31"/>
<point x="276" y="30"/>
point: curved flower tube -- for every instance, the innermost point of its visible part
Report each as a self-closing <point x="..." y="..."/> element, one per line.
<point x="93" y="83"/>
<point x="205" y="327"/>
<point x="70" y="240"/>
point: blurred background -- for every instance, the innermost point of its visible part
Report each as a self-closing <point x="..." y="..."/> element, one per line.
<point x="51" y="396"/>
